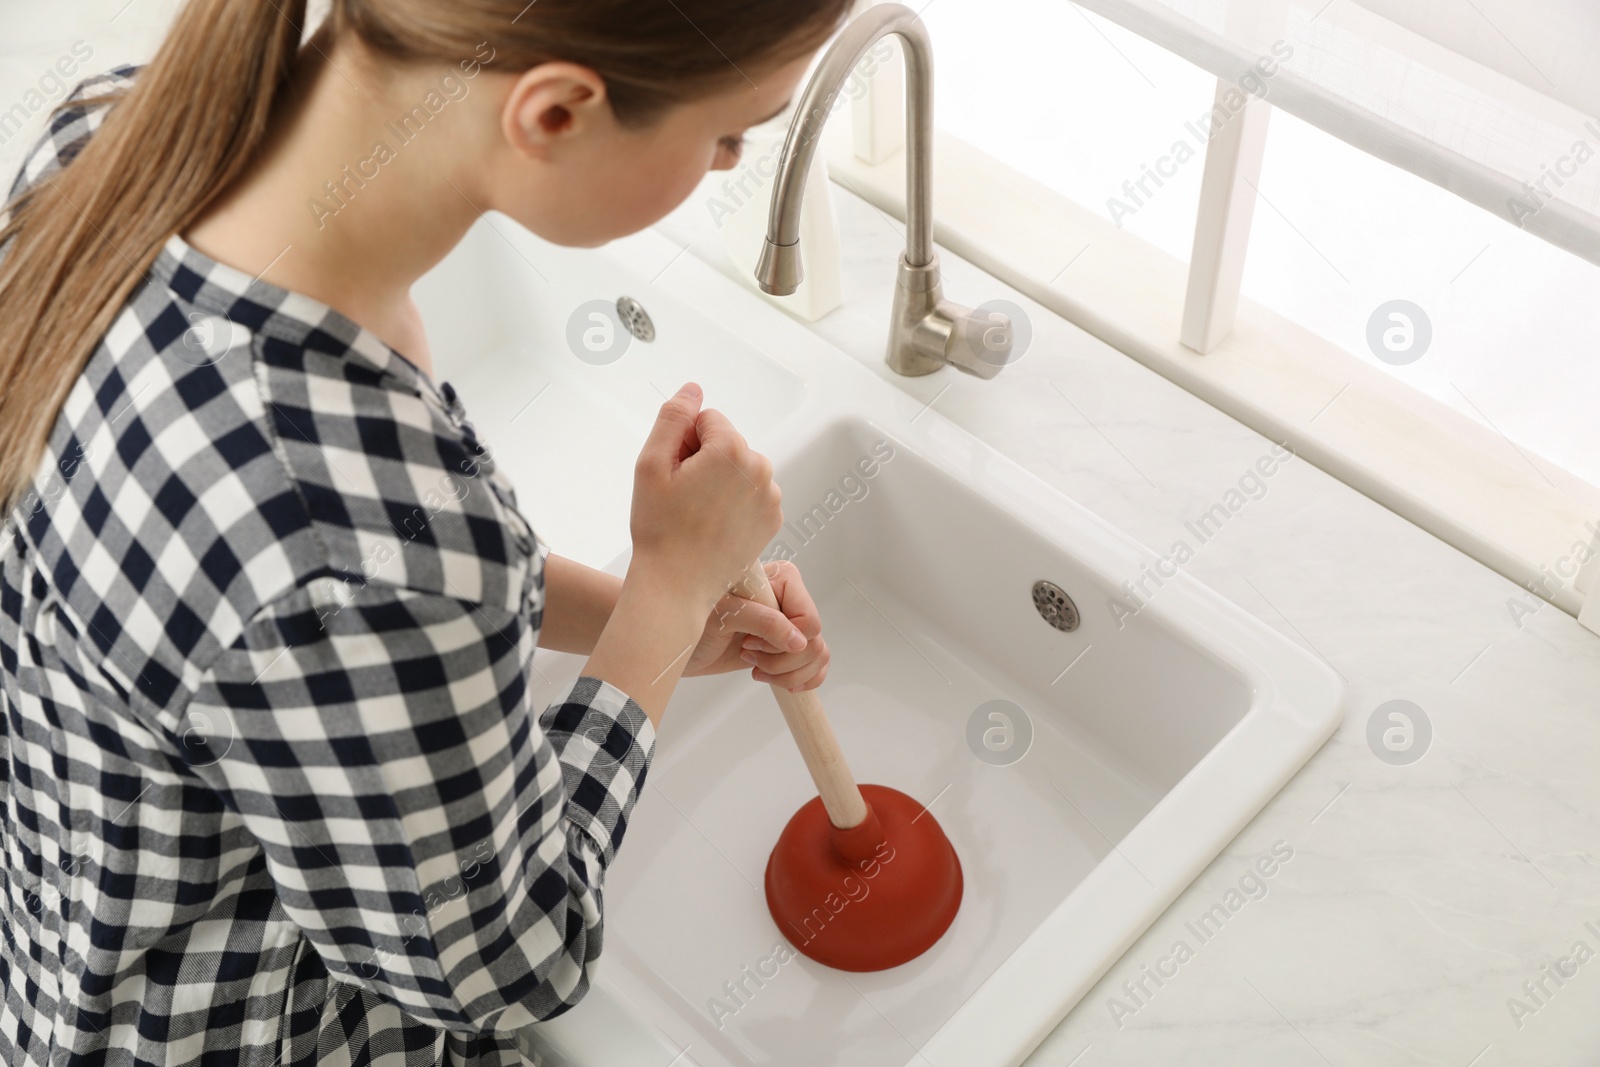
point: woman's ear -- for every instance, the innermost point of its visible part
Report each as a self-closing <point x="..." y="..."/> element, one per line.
<point x="553" y="102"/>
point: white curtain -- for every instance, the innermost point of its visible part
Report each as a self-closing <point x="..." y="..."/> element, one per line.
<point x="1497" y="101"/>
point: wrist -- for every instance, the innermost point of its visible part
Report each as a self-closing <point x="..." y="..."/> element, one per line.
<point x="675" y="603"/>
<point x="667" y="580"/>
<point x="657" y="622"/>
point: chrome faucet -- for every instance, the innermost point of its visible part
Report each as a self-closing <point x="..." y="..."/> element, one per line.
<point x="926" y="331"/>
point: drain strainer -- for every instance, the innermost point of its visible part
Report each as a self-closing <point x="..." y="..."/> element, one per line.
<point x="635" y="318"/>
<point x="1055" y="606"/>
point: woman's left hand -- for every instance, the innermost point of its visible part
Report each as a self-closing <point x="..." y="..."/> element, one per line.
<point x="741" y="633"/>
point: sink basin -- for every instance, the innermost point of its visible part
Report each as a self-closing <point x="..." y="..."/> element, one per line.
<point x="1127" y="752"/>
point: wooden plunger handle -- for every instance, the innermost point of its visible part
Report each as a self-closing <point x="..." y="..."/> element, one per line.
<point x="810" y="727"/>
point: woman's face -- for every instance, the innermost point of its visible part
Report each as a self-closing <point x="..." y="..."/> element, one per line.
<point x="568" y="171"/>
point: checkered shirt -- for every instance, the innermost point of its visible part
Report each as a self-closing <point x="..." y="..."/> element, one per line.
<point x="275" y="788"/>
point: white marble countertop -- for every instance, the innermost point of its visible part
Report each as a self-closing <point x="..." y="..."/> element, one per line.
<point x="1419" y="898"/>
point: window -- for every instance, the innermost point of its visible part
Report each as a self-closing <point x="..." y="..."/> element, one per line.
<point x="1514" y="321"/>
<point x="1077" y="103"/>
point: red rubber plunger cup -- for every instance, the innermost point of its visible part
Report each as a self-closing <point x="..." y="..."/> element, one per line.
<point x="862" y="878"/>
<point x="869" y="897"/>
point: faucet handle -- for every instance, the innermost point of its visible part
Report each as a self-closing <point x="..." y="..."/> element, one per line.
<point x="989" y="341"/>
<point x="979" y="341"/>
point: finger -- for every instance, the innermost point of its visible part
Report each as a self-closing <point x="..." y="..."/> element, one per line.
<point x="674" y="437"/>
<point x="783" y="663"/>
<point x="767" y="627"/>
<point x="776" y="662"/>
<point x="690" y="445"/>
<point x="761" y="644"/>
<point x="718" y="433"/>
<point x="793" y="598"/>
<point x="799" y="681"/>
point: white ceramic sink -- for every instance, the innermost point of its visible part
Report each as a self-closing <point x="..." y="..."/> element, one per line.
<point x="1153" y="742"/>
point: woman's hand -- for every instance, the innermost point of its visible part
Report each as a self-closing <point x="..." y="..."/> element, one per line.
<point x="704" y="506"/>
<point x="784" y="647"/>
<point x="704" y="502"/>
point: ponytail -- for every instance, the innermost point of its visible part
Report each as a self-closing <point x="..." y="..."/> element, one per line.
<point x="77" y="243"/>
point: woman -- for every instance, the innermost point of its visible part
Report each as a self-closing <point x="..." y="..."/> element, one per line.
<point x="275" y="788"/>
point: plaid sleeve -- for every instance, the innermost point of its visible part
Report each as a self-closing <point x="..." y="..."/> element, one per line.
<point x="69" y="129"/>
<point x="438" y="843"/>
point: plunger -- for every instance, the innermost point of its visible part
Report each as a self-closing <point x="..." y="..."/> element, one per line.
<point x="862" y="878"/>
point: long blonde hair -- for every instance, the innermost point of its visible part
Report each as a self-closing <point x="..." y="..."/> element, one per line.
<point x="77" y="243"/>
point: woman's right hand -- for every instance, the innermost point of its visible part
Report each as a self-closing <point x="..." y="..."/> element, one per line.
<point x="704" y="502"/>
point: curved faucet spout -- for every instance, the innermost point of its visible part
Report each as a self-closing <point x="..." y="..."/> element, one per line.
<point x="779" y="272"/>
<point x="926" y="331"/>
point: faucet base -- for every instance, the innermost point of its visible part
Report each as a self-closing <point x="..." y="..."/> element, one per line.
<point x="927" y="331"/>
<point x="917" y="294"/>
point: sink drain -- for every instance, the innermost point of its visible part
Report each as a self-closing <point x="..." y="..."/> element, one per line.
<point x="1055" y="606"/>
<point x="635" y="318"/>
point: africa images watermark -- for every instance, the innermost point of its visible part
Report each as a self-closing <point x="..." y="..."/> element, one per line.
<point x="208" y="339"/>
<point x="750" y="179"/>
<point x="1552" y="978"/>
<point x="1554" y="577"/>
<point x="49" y="88"/>
<point x="1137" y="993"/>
<point x="69" y="865"/>
<point x="738" y="993"/>
<point x="330" y="596"/>
<point x="341" y="190"/>
<point x="1252" y="485"/>
<point x="1253" y="82"/>
<point x="852" y="487"/>
<point x="433" y="901"/>
<point x="1536" y="194"/>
